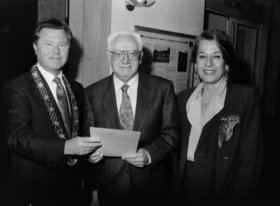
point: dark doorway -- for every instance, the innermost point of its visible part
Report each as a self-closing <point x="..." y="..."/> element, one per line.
<point x="17" y="19"/>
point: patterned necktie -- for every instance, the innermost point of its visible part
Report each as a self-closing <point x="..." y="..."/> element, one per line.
<point x="126" y="114"/>
<point x="63" y="105"/>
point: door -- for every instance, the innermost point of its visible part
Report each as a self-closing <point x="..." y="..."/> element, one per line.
<point x="245" y="37"/>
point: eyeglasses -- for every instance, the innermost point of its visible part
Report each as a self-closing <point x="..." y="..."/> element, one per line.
<point x="132" y="54"/>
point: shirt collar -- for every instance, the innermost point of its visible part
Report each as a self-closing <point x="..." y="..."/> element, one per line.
<point x="47" y="75"/>
<point x="219" y="94"/>
<point x="131" y="83"/>
<point x="220" y="90"/>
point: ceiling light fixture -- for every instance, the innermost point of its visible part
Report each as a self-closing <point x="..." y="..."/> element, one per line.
<point x="131" y="4"/>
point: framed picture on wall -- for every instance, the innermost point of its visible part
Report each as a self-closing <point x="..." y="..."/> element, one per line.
<point x="168" y="54"/>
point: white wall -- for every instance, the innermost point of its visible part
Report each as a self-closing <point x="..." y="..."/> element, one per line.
<point x="182" y="16"/>
<point x="92" y="20"/>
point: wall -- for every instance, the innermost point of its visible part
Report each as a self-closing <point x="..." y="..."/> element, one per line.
<point x="92" y="20"/>
<point x="182" y="16"/>
<point x="51" y="9"/>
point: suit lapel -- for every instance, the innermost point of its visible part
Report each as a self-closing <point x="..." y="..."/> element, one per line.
<point x="74" y="107"/>
<point x="144" y="100"/>
<point x="186" y="130"/>
<point x="208" y="127"/>
<point x="110" y="104"/>
<point x="50" y="103"/>
<point x="216" y="119"/>
<point x="187" y="126"/>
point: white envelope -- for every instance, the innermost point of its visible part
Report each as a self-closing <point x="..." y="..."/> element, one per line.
<point x="116" y="142"/>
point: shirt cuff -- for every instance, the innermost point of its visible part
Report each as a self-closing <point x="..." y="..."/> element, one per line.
<point x="149" y="157"/>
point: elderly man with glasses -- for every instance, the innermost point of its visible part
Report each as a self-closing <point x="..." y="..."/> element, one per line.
<point x="131" y="100"/>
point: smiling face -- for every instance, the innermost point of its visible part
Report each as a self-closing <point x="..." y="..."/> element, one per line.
<point x="52" y="49"/>
<point x="124" y="68"/>
<point x="210" y="63"/>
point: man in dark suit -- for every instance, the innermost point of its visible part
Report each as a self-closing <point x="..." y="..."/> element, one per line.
<point x="42" y="117"/>
<point x="140" y="178"/>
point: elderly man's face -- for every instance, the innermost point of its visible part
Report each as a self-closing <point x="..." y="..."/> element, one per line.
<point x="125" y="58"/>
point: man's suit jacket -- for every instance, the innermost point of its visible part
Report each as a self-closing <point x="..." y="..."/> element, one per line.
<point x="156" y="118"/>
<point x="38" y="166"/>
<point x="231" y="172"/>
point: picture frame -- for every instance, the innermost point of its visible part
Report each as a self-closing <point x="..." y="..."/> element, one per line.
<point x="168" y="54"/>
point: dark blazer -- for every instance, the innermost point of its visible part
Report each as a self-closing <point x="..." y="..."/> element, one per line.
<point x="156" y="118"/>
<point x="229" y="174"/>
<point x="38" y="169"/>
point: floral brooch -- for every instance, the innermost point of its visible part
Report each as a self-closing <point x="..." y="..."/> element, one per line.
<point x="226" y="128"/>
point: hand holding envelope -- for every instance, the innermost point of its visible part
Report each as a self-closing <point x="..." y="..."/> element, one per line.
<point x="138" y="159"/>
<point x="114" y="142"/>
<point x="95" y="157"/>
<point x="81" y="145"/>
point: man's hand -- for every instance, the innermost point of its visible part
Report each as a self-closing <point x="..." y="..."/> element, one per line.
<point x="81" y="145"/>
<point x="95" y="157"/>
<point x="139" y="159"/>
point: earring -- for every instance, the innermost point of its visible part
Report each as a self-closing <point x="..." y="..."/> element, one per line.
<point x="196" y="77"/>
<point x="226" y="72"/>
<point x="195" y="69"/>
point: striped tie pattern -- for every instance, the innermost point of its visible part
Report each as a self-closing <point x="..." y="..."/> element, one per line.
<point x="63" y="105"/>
<point x="126" y="113"/>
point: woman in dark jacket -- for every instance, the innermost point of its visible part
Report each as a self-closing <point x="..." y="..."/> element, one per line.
<point x="220" y="157"/>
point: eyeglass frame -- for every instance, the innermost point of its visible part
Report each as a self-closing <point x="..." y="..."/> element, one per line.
<point x="126" y="52"/>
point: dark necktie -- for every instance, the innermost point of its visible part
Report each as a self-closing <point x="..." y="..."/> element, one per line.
<point x="63" y="105"/>
<point x="126" y="113"/>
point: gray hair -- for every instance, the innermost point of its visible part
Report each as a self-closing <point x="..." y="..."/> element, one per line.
<point x="113" y="36"/>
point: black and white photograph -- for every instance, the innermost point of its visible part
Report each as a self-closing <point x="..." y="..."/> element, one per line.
<point x="139" y="102"/>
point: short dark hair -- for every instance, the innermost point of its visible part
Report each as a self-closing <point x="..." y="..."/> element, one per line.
<point x="53" y="24"/>
<point x="223" y="41"/>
